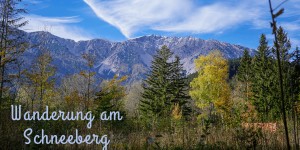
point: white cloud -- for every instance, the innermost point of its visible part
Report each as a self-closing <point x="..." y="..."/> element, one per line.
<point x="293" y="30"/>
<point x="59" y="26"/>
<point x="131" y="16"/>
<point x="33" y="1"/>
<point x="295" y="42"/>
<point x="291" y="26"/>
<point x="207" y="19"/>
<point x="189" y="16"/>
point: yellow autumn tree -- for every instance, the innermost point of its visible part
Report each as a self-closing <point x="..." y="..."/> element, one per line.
<point x="210" y="89"/>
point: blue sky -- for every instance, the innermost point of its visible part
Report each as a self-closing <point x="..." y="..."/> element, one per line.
<point x="234" y="21"/>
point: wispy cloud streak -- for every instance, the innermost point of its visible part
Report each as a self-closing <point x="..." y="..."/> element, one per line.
<point x="130" y="16"/>
<point x="188" y="16"/>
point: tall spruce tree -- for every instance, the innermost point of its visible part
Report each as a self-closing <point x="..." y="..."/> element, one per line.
<point x="296" y="56"/>
<point x="180" y="88"/>
<point x="264" y="89"/>
<point x="296" y="74"/>
<point x="179" y="84"/>
<point x="164" y="87"/>
<point x="245" y="73"/>
<point x="295" y="84"/>
<point x="157" y="88"/>
<point x="284" y="46"/>
<point x="290" y="78"/>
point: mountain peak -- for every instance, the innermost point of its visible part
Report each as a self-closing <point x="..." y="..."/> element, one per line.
<point x="131" y="57"/>
<point x="147" y="37"/>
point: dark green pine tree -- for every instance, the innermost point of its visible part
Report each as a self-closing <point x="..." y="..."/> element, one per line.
<point x="156" y="102"/>
<point x="245" y="73"/>
<point x="180" y="87"/>
<point x="287" y="69"/>
<point x="295" y="92"/>
<point x="296" y="56"/>
<point x="264" y="85"/>
<point x="165" y="88"/>
<point x="284" y="47"/>
<point x="296" y="73"/>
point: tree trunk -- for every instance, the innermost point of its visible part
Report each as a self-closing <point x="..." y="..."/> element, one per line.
<point x="295" y="128"/>
<point x="280" y="78"/>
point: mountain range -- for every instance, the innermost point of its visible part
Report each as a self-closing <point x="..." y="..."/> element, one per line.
<point x="131" y="57"/>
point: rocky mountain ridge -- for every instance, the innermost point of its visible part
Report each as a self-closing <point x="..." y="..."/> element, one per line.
<point x="131" y="57"/>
